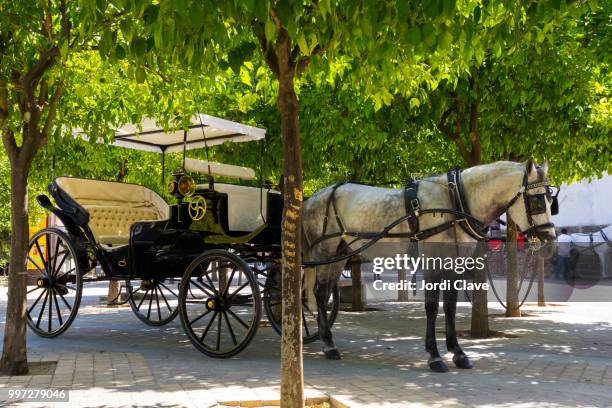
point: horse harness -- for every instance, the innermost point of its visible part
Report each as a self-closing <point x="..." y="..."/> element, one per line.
<point x="534" y="204"/>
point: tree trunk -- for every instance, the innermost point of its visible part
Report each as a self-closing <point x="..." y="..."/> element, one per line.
<point x="402" y="294"/>
<point x="540" y="272"/>
<point x="512" y="295"/>
<point x="480" y="304"/>
<point x="14" y="354"/>
<point x="357" y="285"/>
<point x="292" y="378"/>
<point x="113" y="296"/>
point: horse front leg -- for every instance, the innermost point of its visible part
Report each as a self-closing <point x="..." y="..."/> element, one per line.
<point x="323" y="290"/>
<point x="460" y="359"/>
<point x="436" y="363"/>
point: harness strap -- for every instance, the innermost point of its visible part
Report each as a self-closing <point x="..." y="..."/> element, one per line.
<point x="476" y="230"/>
<point x="411" y="202"/>
<point x="331" y="202"/>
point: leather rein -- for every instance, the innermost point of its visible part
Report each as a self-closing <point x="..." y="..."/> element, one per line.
<point x="470" y="224"/>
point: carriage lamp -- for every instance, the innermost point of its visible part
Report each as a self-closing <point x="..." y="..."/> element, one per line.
<point x="186" y="186"/>
<point x="182" y="186"/>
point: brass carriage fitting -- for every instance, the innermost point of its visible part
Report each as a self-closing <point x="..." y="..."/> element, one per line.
<point x="186" y="186"/>
<point x="182" y="185"/>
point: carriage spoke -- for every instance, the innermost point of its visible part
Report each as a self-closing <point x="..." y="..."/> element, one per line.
<point x="229" y="326"/>
<point x="229" y="283"/>
<point x="36" y="265"/>
<point x="168" y="289"/>
<point x="56" y="269"/>
<point x="42" y="258"/>
<point x="42" y="310"/>
<point x="150" y="303"/>
<point x="201" y="288"/>
<point x="37" y="300"/>
<point x="165" y="300"/>
<point x="219" y="332"/>
<point x="57" y="242"/>
<point x="50" y="324"/>
<point x="32" y="290"/>
<point x="59" y="315"/>
<point x="199" y="317"/>
<point x="210" y="282"/>
<point x="64" y="285"/>
<point x="239" y="289"/>
<point x="157" y="301"/>
<point x="246" y="326"/>
<point x="143" y="299"/>
<point x="208" y="327"/>
<point x="69" y="271"/>
<point x="64" y="299"/>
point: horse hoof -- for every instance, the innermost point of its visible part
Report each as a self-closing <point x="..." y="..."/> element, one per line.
<point x="437" y="365"/>
<point x="332" y="354"/>
<point x="462" y="361"/>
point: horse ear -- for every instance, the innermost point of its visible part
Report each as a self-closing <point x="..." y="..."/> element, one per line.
<point x="529" y="166"/>
<point x="544" y="167"/>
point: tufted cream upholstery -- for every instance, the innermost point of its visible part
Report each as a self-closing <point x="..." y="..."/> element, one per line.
<point x="113" y="207"/>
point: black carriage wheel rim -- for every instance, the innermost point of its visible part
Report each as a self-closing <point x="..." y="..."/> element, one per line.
<point x="220" y="304"/>
<point x="59" y="277"/>
<point x="310" y="331"/>
<point x="152" y="302"/>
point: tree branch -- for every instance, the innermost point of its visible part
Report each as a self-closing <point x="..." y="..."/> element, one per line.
<point x="455" y="136"/>
<point x="47" y="58"/>
<point x="47" y="22"/>
<point x="442" y="123"/>
<point x="303" y="63"/>
<point x="8" y="138"/>
<point x="3" y="102"/>
<point x="267" y="51"/>
<point x="65" y="20"/>
<point x="51" y="113"/>
<point x="474" y="135"/>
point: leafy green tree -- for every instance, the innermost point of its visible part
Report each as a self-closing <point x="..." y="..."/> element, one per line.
<point x="36" y="42"/>
<point x="387" y="43"/>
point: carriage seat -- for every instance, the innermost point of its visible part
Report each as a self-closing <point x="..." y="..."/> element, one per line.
<point x="244" y="212"/>
<point x="113" y="207"/>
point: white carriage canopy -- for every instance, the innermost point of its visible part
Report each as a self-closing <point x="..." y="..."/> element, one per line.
<point x="204" y="130"/>
<point x="245" y="212"/>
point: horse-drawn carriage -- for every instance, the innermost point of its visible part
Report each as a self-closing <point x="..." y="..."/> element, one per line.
<point x="213" y="257"/>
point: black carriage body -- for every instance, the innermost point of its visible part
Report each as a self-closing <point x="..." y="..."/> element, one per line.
<point x="164" y="248"/>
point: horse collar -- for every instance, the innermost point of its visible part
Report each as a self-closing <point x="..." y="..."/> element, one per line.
<point x="475" y="228"/>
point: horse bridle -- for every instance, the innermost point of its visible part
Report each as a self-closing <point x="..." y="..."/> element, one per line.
<point x="535" y="204"/>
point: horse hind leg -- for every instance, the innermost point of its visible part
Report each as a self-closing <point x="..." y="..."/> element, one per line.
<point x="460" y="359"/>
<point x="327" y="276"/>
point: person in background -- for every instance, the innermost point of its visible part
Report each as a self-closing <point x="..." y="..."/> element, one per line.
<point x="564" y="242"/>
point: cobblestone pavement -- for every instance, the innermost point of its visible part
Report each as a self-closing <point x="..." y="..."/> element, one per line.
<point x="560" y="355"/>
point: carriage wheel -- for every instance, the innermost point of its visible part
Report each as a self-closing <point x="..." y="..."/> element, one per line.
<point x="310" y="329"/>
<point x="154" y="301"/>
<point x="219" y="303"/>
<point x="55" y="283"/>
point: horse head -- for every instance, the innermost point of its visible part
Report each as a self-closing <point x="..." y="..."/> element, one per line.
<point x="536" y="201"/>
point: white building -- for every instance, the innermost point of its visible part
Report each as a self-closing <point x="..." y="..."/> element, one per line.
<point x="585" y="203"/>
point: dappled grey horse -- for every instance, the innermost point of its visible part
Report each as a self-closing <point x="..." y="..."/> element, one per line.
<point x="338" y="219"/>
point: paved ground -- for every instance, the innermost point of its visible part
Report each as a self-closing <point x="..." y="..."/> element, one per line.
<point x="560" y="357"/>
